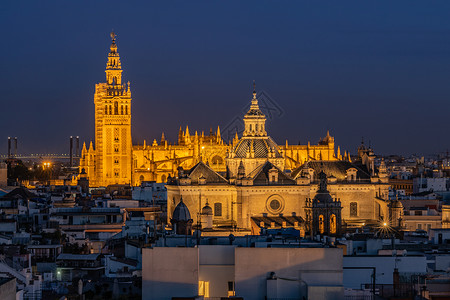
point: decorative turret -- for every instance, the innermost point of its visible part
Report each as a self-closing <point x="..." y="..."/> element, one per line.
<point x="382" y="172"/>
<point x="218" y="138"/>
<point x="254" y="120"/>
<point x="187" y="137"/>
<point x="241" y="171"/>
<point x="83" y="150"/>
<point x="207" y="217"/>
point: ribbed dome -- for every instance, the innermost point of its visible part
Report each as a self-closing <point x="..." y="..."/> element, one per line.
<point x="255" y="112"/>
<point x="261" y="147"/>
<point x="181" y="212"/>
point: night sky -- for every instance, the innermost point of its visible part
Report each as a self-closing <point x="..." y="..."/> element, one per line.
<point x="378" y="69"/>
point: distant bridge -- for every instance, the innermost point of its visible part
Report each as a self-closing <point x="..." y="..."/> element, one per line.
<point x="39" y="156"/>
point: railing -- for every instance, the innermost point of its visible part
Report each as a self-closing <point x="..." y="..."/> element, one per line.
<point x="359" y="297"/>
<point x="391" y="290"/>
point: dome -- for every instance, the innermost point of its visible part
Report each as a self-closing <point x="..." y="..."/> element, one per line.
<point x="207" y="210"/>
<point x="255" y="112"/>
<point x="262" y="147"/>
<point x="181" y="212"/>
<point x="323" y="197"/>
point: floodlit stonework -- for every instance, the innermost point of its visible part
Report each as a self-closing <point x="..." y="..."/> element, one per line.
<point x="112" y="159"/>
<point x="250" y="177"/>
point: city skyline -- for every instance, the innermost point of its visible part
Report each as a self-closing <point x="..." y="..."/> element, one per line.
<point x="187" y="73"/>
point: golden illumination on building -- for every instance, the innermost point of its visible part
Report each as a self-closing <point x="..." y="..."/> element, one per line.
<point x="114" y="160"/>
<point x="110" y="161"/>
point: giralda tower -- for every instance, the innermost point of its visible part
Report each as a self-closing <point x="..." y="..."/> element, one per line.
<point x="113" y="153"/>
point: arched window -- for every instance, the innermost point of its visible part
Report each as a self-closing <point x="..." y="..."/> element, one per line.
<point x="321" y="224"/>
<point x="126" y="109"/>
<point x="163" y="178"/>
<point x="121" y="109"/>
<point x="353" y="209"/>
<point x="217" y="209"/>
<point x="116" y="108"/>
<point x="217" y="160"/>
<point x="110" y="110"/>
<point x="141" y="178"/>
<point x="256" y="127"/>
<point x="333" y="225"/>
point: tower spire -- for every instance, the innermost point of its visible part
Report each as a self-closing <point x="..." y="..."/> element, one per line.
<point x="113" y="66"/>
<point x="254" y="120"/>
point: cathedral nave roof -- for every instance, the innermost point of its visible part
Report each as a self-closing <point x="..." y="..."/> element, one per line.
<point x="201" y="170"/>
<point x="260" y="175"/>
<point x="336" y="169"/>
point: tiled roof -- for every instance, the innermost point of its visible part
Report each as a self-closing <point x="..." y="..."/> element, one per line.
<point x="260" y="175"/>
<point x="337" y="169"/>
<point x="202" y="170"/>
<point x="278" y="220"/>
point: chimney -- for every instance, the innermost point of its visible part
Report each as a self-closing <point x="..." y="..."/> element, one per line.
<point x="15" y="146"/>
<point x="77" y="152"/>
<point x="396" y="281"/>
<point x="71" y="151"/>
<point x="9" y="147"/>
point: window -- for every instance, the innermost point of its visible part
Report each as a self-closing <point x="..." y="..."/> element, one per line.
<point x="275" y="204"/>
<point x="116" y="108"/>
<point x="321" y="224"/>
<point x="116" y="148"/>
<point x="126" y="109"/>
<point x="419" y="226"/>
<point x="203" y="288"/>
<point x="218" y="209"/>
<point x="106" y="109"/>
<point x="353" y="209"/>
<point x="121" y="109"/>
<point x="231" y="292"/>
<point x="333" y="226"/>
<point x="110" y="110"/>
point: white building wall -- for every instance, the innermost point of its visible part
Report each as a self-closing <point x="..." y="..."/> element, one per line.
<point x="169" y="272"/>
<point x="319" y="268"/>
<point x="384" y="269"/>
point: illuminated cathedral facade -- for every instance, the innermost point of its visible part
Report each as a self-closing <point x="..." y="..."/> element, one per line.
<point x="249" y="177"/>
<point x="113" y="159"/>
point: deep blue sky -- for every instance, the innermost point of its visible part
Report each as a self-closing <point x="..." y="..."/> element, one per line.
<point x="378" y="69"/>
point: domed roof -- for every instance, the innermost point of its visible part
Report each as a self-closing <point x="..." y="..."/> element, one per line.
<point x="207" y="210"/>
<point x="261" y="146"/>
<point x="181" y="212"/>
<point x="255" y="112"/>
<point x="323" y="197"/>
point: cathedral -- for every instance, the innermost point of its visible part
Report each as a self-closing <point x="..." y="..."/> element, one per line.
<point x="113" y="159"/>
<point x="249" y="182"/>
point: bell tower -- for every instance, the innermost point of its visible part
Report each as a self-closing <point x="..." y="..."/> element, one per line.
<point x="112" y="101"/>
